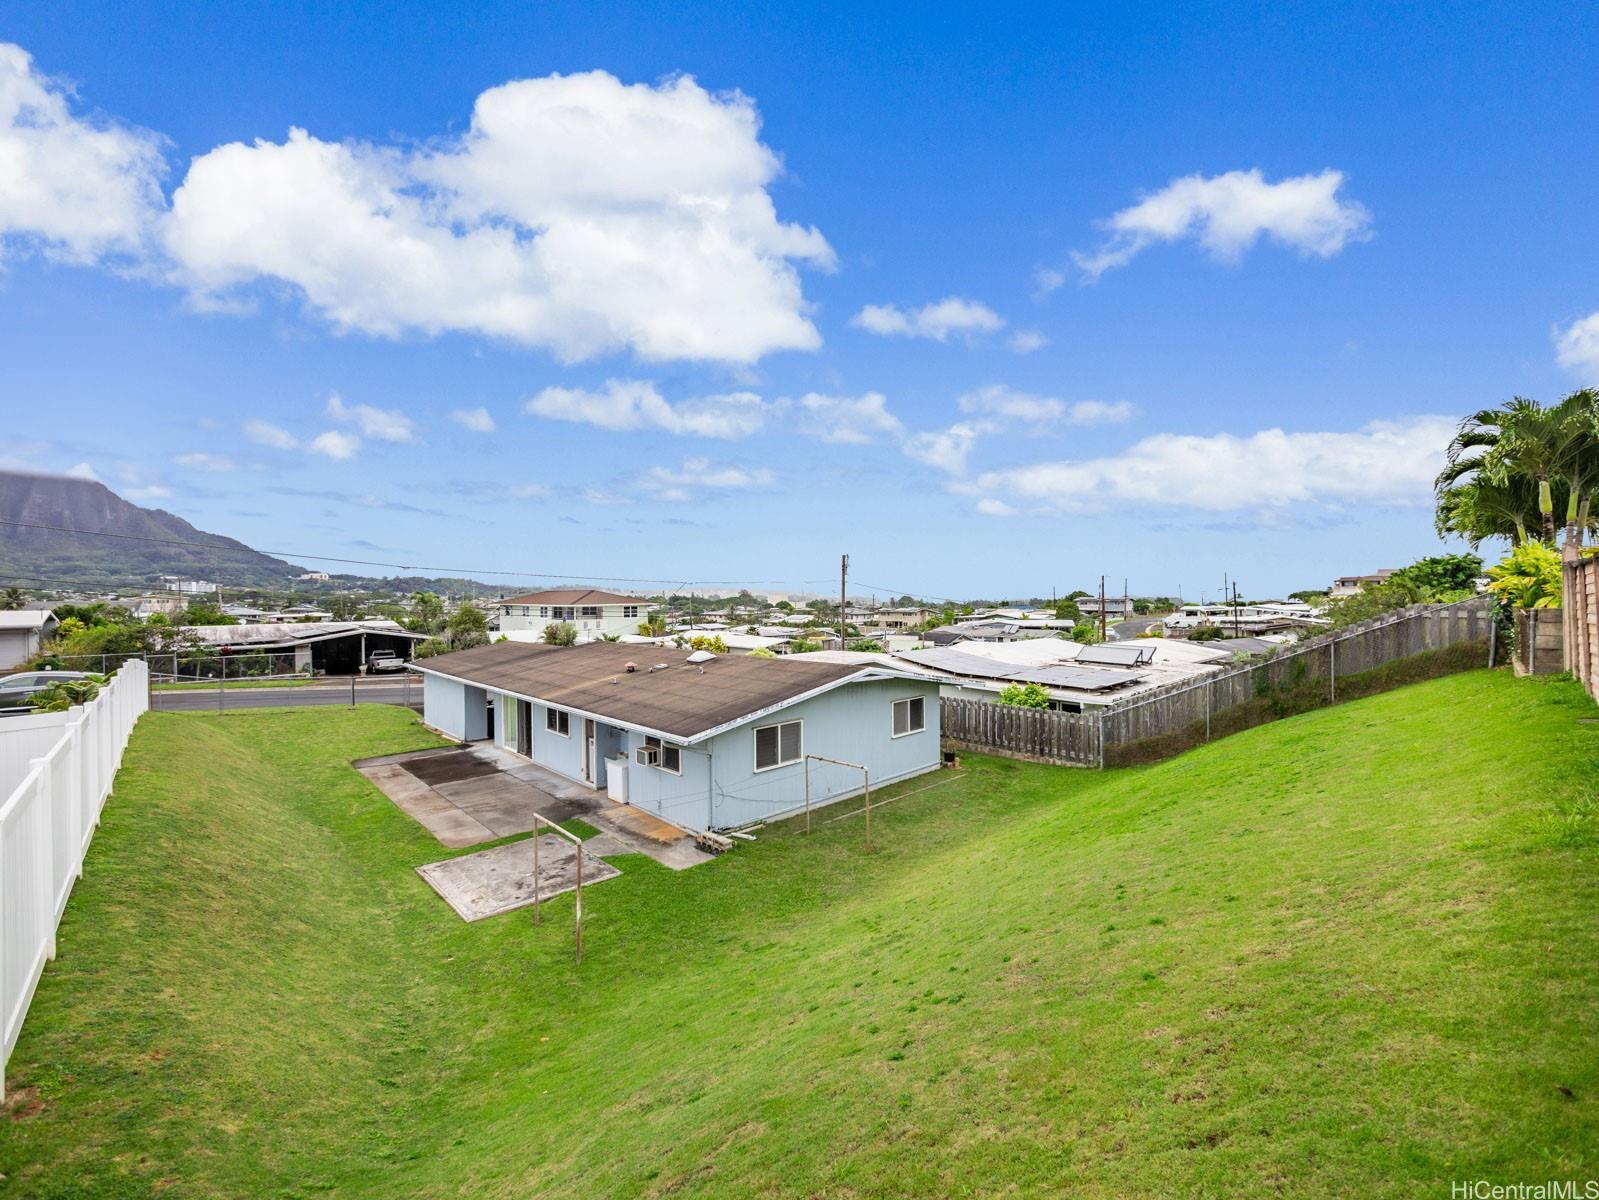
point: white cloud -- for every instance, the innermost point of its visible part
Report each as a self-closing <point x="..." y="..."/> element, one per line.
<point x="632" y="404"/>
<point x="385" y="424"/>
<point x="949" y="449"/>
<point x="1025" y="341"/>
<point x="951" y="315"/>
<point x="146" y="491"/>
<point x="529" y="491"/>
<point x="1227" y="214"/>
<point x="1047" y="280"/>
<point x="1006" y="403"/>
<point x="848" y="420"/>
<point x="82" y="471"/>
<point x="1577" y="346"/>
<point x="335" y="444"/>
<point x="263" y="433"/>
<point x="478" y="420"/>
<point x="677" y="485"/>
<point x="577" y="213"/>
<point x="83" y="188"/>
<point x="201" y="461"/>
<point x="1383" y="464"/>
<point x="990" y="507"/>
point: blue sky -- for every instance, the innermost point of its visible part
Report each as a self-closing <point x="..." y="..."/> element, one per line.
<point x="1217" y="279"/>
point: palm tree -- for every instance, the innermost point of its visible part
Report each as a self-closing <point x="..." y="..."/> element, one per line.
<point x="1506" y="466"/>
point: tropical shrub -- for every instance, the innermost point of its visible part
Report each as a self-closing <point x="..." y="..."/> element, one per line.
<point x="428" y="647"/>
<point x="64" y="693"/>
<point x="1024" y="695"/>
<point x="761" y="652"/>
<point x="560" y="633"/>
<point x="1528" y="577"/>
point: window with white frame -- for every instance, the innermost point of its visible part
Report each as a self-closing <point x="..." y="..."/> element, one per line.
<point x="544" y="610"/>
<point x="630" y="611"/>
<point x="590" y="610"/>
<point x="778" y="745"/>
<point x="563" y="612"/>
<point x="909" y="716"/>
<point x="558" y="720"/>
<point x="668" y="757"/>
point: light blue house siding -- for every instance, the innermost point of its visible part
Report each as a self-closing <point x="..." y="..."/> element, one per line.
<point x="455" y="709"/>
<point x="720" y="787"/>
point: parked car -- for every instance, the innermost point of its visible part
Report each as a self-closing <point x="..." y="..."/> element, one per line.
<point x="381" y="662"/>
<point x="15" y="690"/>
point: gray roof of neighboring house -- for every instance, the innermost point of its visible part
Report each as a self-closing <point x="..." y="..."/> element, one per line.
<point x="683" y="701"/>
<point x="292" y="633"/>
<point x="572" y="596"/>
<point x="974" y="666"/>
<point x="26" y="618"/>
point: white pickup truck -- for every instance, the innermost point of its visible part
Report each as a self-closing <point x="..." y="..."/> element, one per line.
<point x="382" y="662"/>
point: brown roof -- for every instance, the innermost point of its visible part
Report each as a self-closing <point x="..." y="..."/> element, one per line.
<point x="572" y="596"/>
<point x="679" y="701"/>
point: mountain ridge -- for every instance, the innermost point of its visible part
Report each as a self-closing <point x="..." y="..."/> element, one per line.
<point x="32" y="555"/>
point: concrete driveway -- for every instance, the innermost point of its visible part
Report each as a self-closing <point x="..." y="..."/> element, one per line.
<point x="468" y="795"/>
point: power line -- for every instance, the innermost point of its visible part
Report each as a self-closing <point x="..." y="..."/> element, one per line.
<point x="463" y="572"/>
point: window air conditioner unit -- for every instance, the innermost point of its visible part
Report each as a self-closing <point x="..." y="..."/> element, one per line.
<point x="647" y="756"/>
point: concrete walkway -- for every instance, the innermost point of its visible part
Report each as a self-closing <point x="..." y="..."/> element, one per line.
<point x="468" y="795"/>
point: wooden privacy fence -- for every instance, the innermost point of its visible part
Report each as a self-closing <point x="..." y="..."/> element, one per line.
<point x="1035" y="734"/>
<point x="55" y="774"/>
<point x="1581" y="619"/>
<point x="1385" y="652"/>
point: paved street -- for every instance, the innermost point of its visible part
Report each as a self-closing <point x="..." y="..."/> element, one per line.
<point x="379" y="691"/>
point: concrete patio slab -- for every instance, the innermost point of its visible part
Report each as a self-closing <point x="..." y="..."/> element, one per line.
<point x="466" y="795"/>
<point x="501" y="880"/>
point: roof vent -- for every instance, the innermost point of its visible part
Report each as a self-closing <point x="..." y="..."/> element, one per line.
<point x="701" y="656"/>
<point x="630" y="667"/>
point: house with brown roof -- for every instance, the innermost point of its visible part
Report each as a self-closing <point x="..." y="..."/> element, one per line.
<point x="702" y="740"/>
<point x="593" y="613"/>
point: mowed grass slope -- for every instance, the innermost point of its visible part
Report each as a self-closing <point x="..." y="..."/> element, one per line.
<point x="1352" y="953"/>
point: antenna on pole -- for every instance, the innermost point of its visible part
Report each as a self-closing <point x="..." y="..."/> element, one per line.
<point x="1102" y="608"/>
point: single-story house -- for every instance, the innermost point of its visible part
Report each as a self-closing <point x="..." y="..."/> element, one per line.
<point x="593" y="613"/>
<point x="704" y="741"/>
<point x="22" y="632"/>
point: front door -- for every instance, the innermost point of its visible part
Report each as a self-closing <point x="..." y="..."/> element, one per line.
<point x="588" y="750"/>
<point x="524" y="728"/>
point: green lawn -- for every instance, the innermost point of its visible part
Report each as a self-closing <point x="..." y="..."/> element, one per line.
<point x="1352" y="953"/>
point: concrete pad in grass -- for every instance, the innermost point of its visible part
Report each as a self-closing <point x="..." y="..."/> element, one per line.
<point x="499" y="880"/>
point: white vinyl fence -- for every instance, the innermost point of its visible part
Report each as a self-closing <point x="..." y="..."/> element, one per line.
<point x="55" y="774"/>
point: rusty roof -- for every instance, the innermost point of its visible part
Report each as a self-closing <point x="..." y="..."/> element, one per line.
<point x="680" y="701"/>
<point x="571" y="596"/>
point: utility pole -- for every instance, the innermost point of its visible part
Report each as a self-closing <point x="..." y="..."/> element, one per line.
<point x="1102" y="608"/>
<point x="843" y="593"/>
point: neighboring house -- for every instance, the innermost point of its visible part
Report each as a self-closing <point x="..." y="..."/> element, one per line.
<point x="146" y="607"/>
<point x="704" y="741"/>
<point x="316" y="577"/>
<point x="329" y="647"/>
<point x="22" y="632"/>
<point x="900" y="618"/>
<point x="1353" y="585"/>
<point x="1077" y="677"/>
<point x="594" y="614"/>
